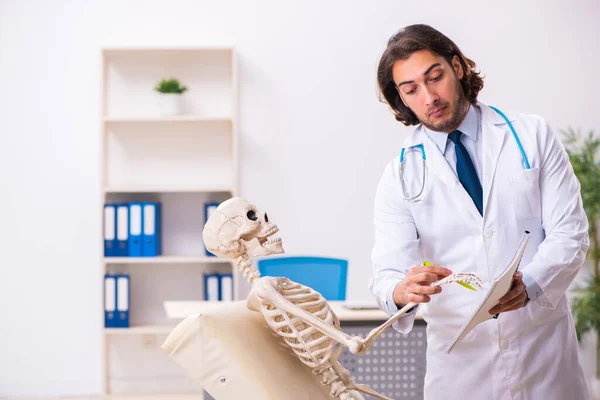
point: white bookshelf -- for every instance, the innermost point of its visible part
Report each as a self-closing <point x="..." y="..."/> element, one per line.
<point x="180" y="161"/>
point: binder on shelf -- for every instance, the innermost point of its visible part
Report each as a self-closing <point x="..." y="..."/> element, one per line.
<point x="116" y="301"/>
<point x="123" y="301"/>
<point x="212" y="287"/>
<point x="151" y="229"/>
<point x="122" y="230"/>
<point x="110" y="230"/>
<point x="226" y="287"/>
<point x="209" y="208"/>
<point x="110" y="301"/>
<point x="135" y="229"/>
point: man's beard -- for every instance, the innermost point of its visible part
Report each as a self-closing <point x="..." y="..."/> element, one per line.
<point x="453" y="123"/>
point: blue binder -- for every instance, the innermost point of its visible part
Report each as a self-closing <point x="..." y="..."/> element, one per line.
<point x="122" y="230"/>
<point x="151" y="229"/>
<point x="123" y="299"/>
<point x="209" y="208"/>
<point x="110" y="301"/>
<point x="110" y="230"/>
<point x="212" y="287"/>
<point x="135" y="229"/>
<point x="226" y="285"/>
<point x="116" y="300"/>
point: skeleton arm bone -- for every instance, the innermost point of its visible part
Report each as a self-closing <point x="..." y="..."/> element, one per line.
<point x="375" y="333"/>
<point x="354" y="344"/>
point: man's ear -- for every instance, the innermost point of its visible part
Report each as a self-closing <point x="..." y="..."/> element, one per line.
<point x="457" y="66"/>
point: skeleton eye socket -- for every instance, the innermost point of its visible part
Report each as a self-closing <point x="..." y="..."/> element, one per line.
<point x="266" y="218"/>
<point x="251" y="215"/>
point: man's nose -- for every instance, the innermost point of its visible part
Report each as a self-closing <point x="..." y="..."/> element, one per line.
<point x="430" y="97"/>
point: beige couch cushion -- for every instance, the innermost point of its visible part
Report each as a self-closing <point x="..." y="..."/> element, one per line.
<point x="233" y="354"/>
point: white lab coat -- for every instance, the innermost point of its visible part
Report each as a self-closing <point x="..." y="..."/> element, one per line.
<point x="528" y="354"/>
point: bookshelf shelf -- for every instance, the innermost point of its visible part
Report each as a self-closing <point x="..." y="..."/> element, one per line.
<point x="155" y="119"/>
<point x="167" y="189"/>
<point x="166" y="260"/>
<point x="140" y="330"/>
<point x="156" y="396"/>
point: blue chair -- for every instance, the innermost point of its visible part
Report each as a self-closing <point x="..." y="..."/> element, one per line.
<point x="325" y="275"/>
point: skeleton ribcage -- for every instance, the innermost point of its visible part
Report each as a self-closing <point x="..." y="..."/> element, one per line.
<point x="310" y="345"/>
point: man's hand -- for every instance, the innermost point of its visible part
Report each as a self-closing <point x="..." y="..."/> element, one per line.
<point x="417" y="285"/>
<point x="514" y="299"/>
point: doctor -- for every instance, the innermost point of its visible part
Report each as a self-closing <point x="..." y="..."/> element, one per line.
<point x="463" y="204"/>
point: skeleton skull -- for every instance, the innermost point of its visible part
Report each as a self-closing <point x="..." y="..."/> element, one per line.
<point x="237" y="228"/>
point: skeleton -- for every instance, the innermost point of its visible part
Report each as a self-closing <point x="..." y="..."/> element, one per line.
<point x="298" y="314"/>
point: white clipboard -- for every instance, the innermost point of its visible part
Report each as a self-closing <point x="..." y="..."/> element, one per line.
<point x="499" y="287"/>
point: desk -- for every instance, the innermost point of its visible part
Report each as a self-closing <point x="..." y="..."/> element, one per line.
<point x="394" y="366"/>
<point x="179" y="310"/>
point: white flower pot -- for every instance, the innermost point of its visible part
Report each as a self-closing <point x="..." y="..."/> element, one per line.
<point x="170" y="104"/>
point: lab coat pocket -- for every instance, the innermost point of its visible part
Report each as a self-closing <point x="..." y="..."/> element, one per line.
<point x="448" y="311"/>
<point x="541" y="315"/>
<point x="525" y="189"/>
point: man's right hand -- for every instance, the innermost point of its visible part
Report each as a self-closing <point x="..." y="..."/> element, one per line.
<point x="416" y="287"/>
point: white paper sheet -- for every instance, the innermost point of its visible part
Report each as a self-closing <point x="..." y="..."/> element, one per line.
<point x="499" y="287"/>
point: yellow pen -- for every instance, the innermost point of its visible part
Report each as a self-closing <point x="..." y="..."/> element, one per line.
<point x="428" y="264"/>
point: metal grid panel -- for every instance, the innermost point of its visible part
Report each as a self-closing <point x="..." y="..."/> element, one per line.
<point x="394" y="366"/>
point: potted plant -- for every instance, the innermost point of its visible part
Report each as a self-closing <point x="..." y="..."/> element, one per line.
<point x="584" y="157"/>
<point x="170" y="91"/>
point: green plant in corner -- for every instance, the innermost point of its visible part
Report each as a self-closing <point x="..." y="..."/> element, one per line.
<point x="171" y="85"/>
<point x="584" y="156"/>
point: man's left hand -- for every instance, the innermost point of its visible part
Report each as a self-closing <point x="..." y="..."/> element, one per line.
<point x="514" y="299"/>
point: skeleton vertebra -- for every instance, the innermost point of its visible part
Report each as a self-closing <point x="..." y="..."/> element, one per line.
<point x="300" y="315"/>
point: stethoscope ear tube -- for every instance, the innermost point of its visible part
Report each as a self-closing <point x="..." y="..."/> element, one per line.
<point x="512" y="129"/>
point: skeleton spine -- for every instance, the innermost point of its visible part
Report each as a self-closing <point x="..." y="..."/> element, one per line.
<point x="248" y="270"/>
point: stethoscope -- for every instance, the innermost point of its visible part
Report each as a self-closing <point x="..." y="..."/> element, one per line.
<point x="419" y="147"/>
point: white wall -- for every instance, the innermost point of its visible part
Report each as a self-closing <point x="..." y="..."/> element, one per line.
<point x="314" y="137"/>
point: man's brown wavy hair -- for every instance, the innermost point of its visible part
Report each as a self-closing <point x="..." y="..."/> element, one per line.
<point x="409" y="40"/>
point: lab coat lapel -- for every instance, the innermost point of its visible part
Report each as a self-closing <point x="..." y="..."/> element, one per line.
<point x="438" y="165"/>
<point x="494" y="135"/>
<point x="436" y="162"/>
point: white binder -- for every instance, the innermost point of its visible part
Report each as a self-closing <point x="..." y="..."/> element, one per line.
<point x="122" y="230"/>
<point x="212" y="287"/>
<point x="110" y="302"/>
<point x="123" y="301"/>
<point x="226" y="287"/>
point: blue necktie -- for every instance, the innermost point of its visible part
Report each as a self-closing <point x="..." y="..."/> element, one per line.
<point x="466" y="171"/>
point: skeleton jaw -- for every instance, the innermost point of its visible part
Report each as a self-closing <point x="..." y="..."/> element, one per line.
<point x="263" y="246"/>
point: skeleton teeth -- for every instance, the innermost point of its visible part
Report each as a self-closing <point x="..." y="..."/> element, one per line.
<point x="274" y="240"/>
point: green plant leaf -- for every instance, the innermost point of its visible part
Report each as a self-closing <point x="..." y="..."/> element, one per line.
<point x="171" y="85"/>
<point x="584" y="156"/>
<point x="586" y="307"/>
